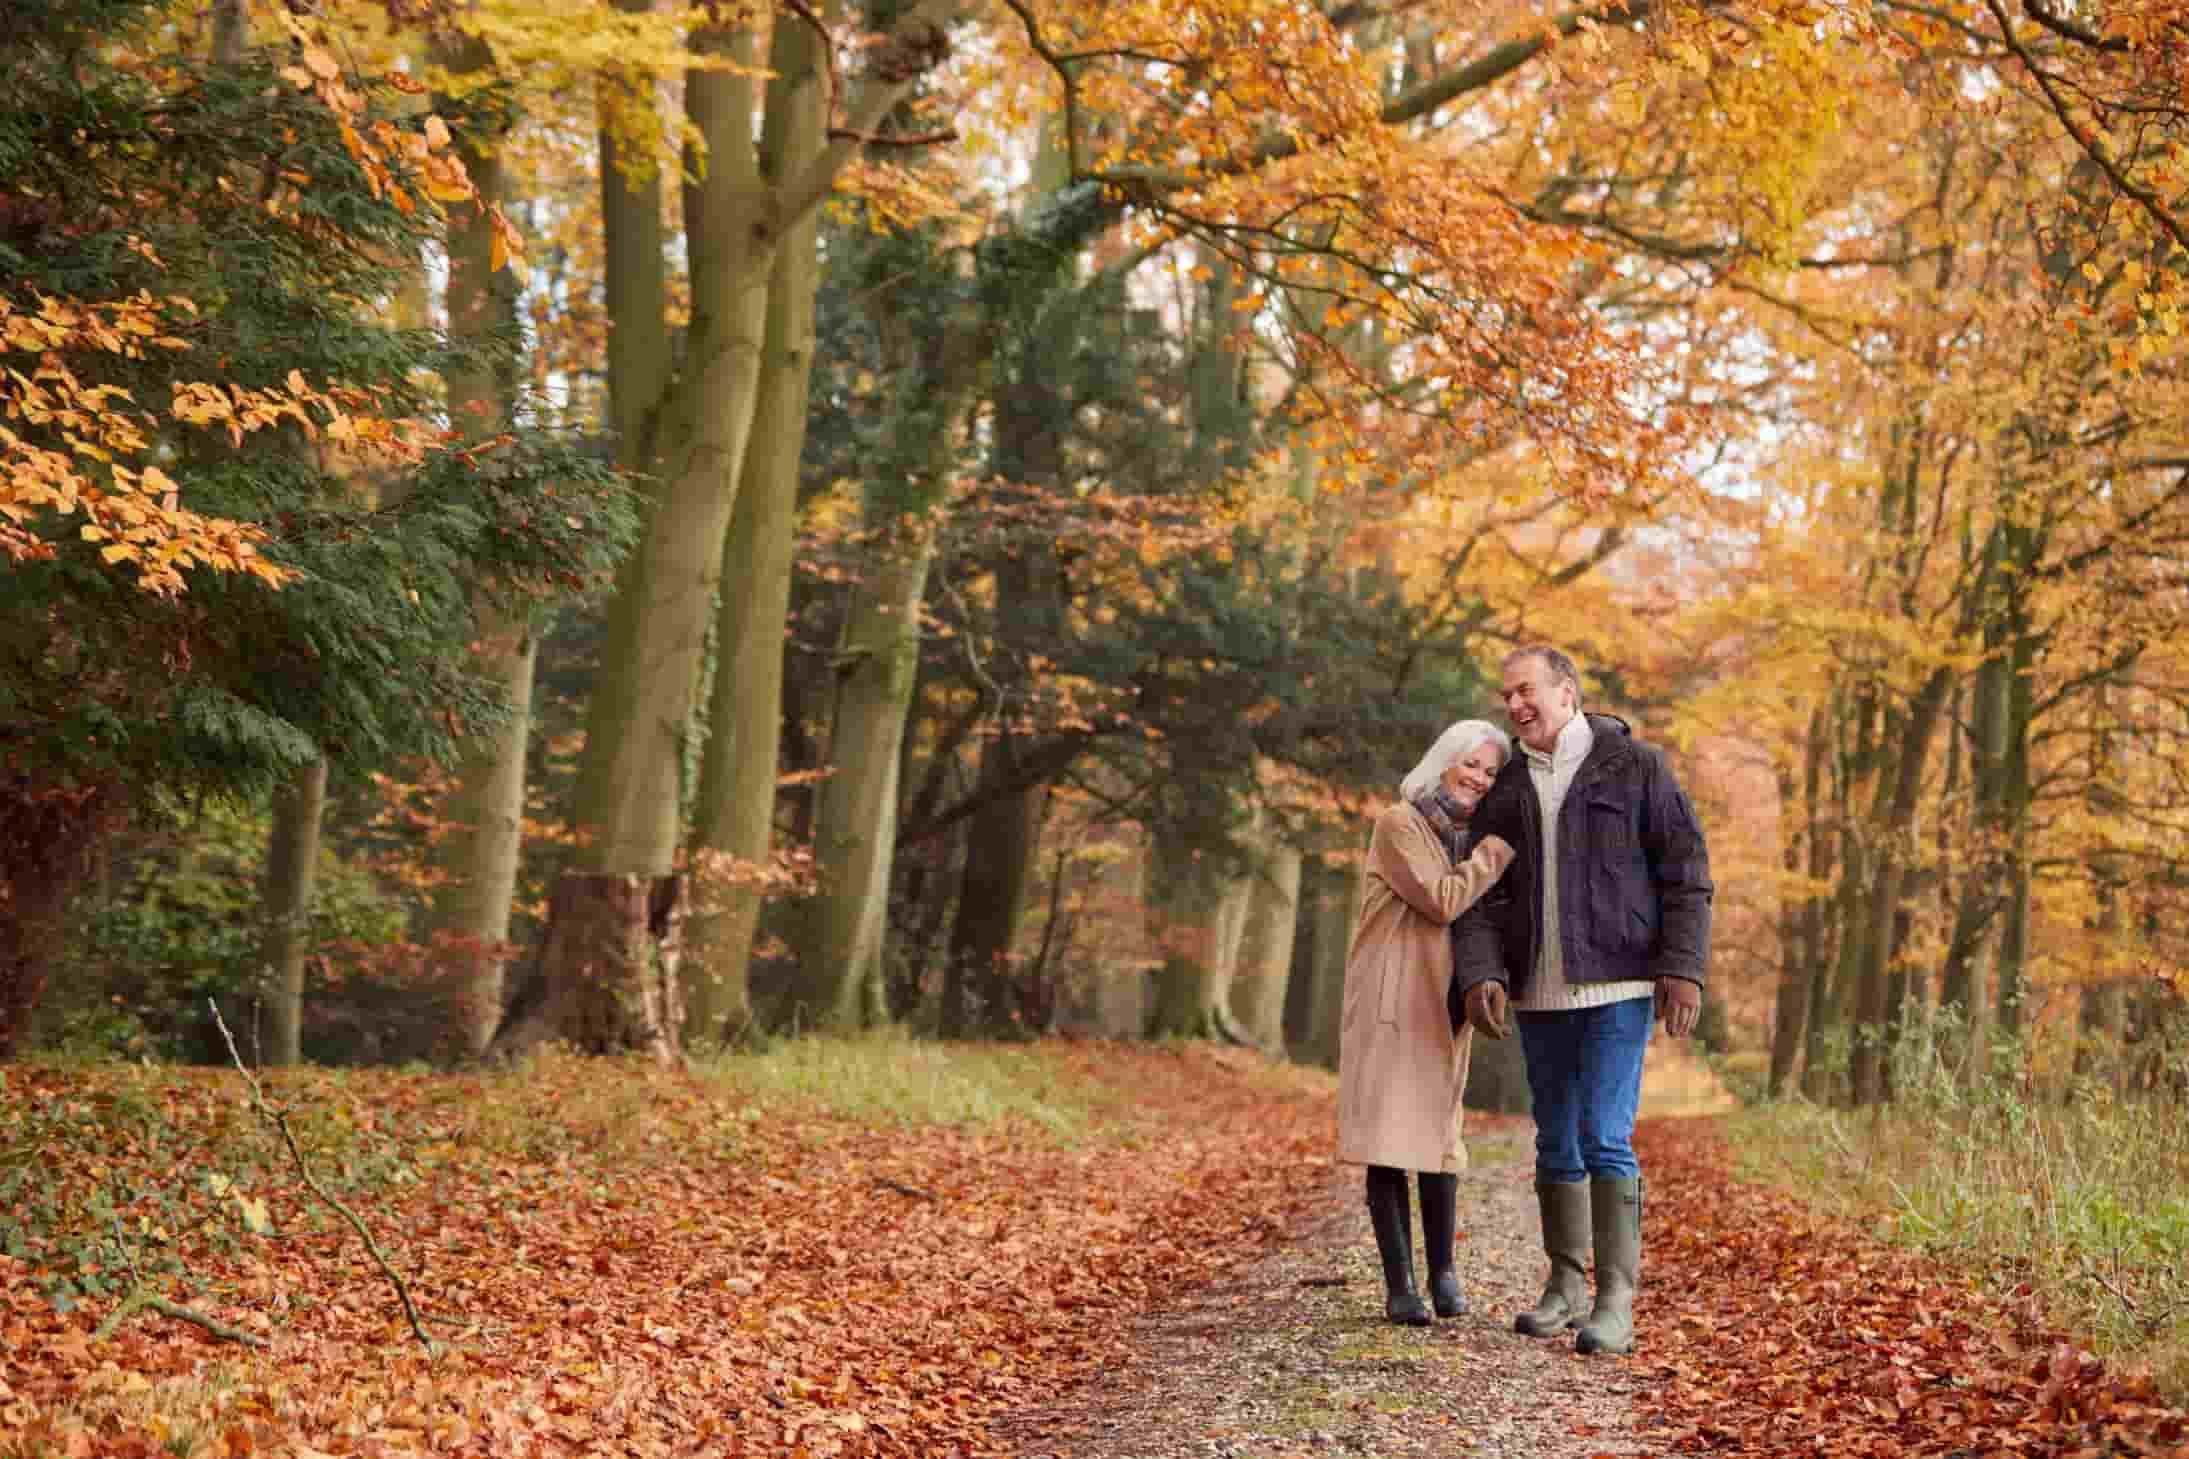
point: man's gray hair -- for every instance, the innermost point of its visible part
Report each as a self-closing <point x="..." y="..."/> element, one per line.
<point x="1555" y="660"/>
<point x="1454" y="745"/>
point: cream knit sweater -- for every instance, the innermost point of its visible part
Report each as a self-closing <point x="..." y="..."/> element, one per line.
<point x="1548" y="990"/>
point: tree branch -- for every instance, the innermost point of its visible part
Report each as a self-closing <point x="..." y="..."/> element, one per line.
<point x="280" y="1121"/>
<point x="915" y="44"/>
<point x="2093" y="146"/>
<point x="2067" y="29"/>
<point x="1498" y="63"/>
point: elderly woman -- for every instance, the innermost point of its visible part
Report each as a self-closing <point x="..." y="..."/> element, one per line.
<point x="1402" y="1056"/>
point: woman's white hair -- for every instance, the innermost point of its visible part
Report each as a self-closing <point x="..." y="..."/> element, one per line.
<point x="1453" y="746"/>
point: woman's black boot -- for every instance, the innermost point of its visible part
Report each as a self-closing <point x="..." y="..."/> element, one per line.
<point x="1439" y="1233"/>
<point x="1389" y="1212"/>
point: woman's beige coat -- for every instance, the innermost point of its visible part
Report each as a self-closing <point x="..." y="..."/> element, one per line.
<point x="1401" y="1070"/>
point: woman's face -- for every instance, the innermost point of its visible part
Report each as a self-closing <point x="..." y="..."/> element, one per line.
<point x="1471" y="774"/>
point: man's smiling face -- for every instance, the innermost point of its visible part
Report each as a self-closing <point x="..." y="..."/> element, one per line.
<point x="1539" y="703"/>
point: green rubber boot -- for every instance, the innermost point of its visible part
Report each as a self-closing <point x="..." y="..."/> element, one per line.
<point x="1616" y="1209"/>
<point x="1565" y="1211"/>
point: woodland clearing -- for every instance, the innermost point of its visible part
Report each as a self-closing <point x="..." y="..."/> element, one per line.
<point x="1075" y="1248"/>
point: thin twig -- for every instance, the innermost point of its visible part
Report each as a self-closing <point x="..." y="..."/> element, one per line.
<point x="136" y="1300"/>
<point x="886" y="139"/>
<point x="902" y="1189"/>
<point x="280" y="1121"/>
<point x="139" y="1299"/>
<point x="190" y="1314"/>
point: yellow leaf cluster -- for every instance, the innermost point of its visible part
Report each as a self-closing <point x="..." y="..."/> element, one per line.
<point x="77" y="464"/>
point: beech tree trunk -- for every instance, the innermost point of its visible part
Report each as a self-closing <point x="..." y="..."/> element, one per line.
<point x="481" y="857"/>
<point x="1893" y="821"/>
<point x="854" y="836"/>
<point x="1263" y="969"/>
<point x="736" y="813"/>
<point x="292" y="869"/>
<point x="48" y="845"/>
<point x="686" y="423"/>
<point x="1332" y="893"/>
<point x="980" y="991"/>
<point x="1194" y="906"/>
<point x="1801" y="924"/>
<point x="584" y="990"/>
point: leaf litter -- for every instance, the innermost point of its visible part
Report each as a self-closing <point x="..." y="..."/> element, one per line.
<point x="615" y="1260"/>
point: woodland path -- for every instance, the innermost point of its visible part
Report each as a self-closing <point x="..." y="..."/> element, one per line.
<point x="1290" y="1356"/>
<point x="1764" y="1332"/>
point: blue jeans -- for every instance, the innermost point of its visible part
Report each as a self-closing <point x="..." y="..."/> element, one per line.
<point x="1585" y="1074"/>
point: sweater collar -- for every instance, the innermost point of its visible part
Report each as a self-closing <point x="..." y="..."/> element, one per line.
<point x="1571" y="747"/>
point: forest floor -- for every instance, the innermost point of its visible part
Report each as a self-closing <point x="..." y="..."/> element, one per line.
<point x="1069" y="1249"/>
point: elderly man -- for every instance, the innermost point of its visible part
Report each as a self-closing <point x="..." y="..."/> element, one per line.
<point x="1601" y="925"/>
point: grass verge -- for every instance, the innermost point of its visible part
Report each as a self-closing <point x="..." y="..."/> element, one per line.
<point x="2079" y="1210"/>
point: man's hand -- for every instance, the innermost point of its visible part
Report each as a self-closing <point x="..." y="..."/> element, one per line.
<point x="1486" y="1010"/>
<point x="1679" y="1004"/>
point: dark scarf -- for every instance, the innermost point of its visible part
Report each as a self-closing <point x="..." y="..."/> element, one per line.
<point x="1446" y="817"/>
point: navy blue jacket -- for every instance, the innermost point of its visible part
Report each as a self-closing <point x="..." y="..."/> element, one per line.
<point x="1634" y="883"/>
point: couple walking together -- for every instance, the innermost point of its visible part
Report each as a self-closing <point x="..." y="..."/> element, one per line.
<point x="1560" y="886"/>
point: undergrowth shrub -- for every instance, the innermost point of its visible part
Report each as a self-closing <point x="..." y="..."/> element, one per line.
<point x="176" y="925"/>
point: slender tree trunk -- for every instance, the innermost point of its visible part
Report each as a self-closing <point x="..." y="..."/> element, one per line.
<point x="1797" y="923"/>
<point x="1335" y="901"/>
<point x="1894" y="835"/>
<point x="980" y="992"/>
<point x="485" y="853"/>
<point x="481" y="859"/>
<point x="855" y="818"/>
<point x="738" y="774"/>
<point x="1835" y="971"/>
<point x="2016" y="793"/>
<point x="292" y="864"/>
<point x="1264" y="967"/>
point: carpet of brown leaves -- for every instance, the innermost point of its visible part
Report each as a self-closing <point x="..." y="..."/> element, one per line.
<point x="1774" y="1332"/>
<point x="629" y="1262"/>
<point x="798" y="1286"/>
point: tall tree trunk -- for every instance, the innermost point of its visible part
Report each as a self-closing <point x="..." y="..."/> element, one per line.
<point x="1834" y="978"/>
<point x="1264" y="968"/>
<point x="738" y="774"/>
<point x="1893" y="823"/>
<point x="686" y="424"/>
<point x="2016" y="794"/>
<point x="1333" y="896"/>
<point x="855" y="818"/>
<point x="49" y="841"/>
<point x="1194" y="906"/>
<point x="483" y="855"/>
<point x="480" y="860"/>
<point x="980" y="992"/>
<point x="688" y="431"/>
<point x="292" y="867"/>
<point x="1799" y="924"/>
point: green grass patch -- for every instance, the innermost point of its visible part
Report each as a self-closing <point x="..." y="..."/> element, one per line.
<point x="2085" y="1203"/>
<point x="890" y="1078"/>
